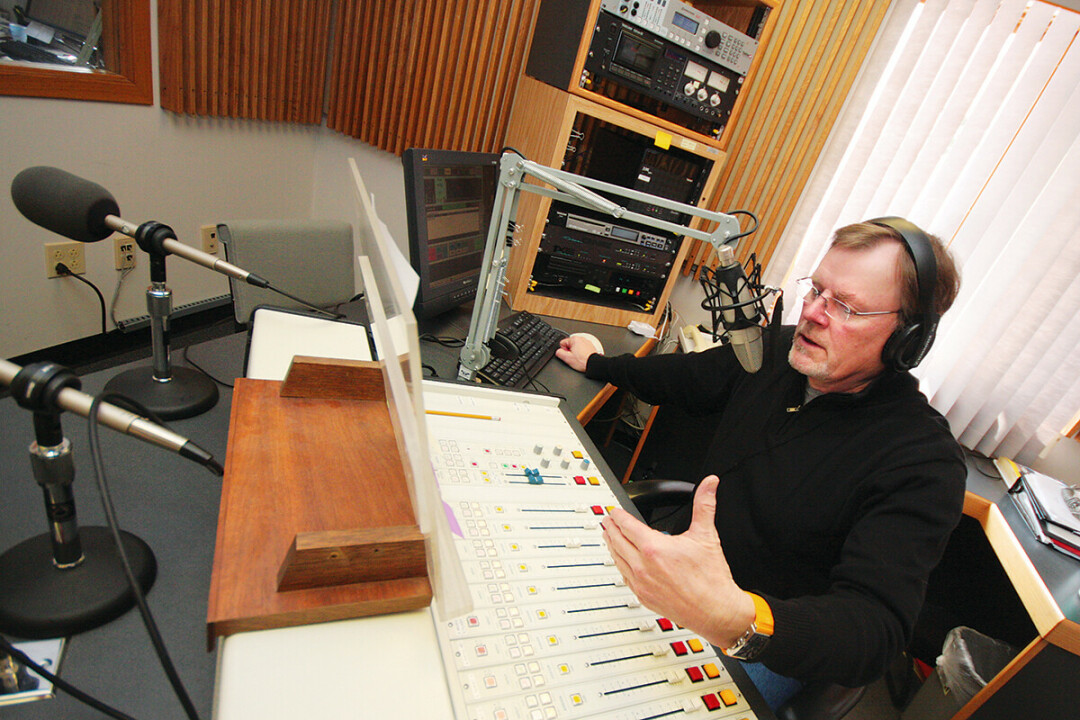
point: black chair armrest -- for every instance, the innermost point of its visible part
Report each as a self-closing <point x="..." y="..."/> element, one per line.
<point x="821" y="701"/>
<point x="649" y="495"/>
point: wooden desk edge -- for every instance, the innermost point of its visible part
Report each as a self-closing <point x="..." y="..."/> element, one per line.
<point x="1039" y="602"/>
<point x="589" y="411"/>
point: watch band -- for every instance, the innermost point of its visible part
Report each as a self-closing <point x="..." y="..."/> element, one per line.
<point x="752" y="642"/>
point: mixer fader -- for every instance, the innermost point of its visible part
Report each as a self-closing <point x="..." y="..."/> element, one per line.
<point x="555" y="633"/>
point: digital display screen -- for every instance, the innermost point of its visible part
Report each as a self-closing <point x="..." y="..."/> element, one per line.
<point x="687" y="24"/>
<point x="636" y="55"/>
<point x="458" y="211"/>
<point x="623" y="233"/>
<point x="448" y="200"/>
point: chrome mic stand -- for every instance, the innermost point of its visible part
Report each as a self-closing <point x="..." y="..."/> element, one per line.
<point x="171" y="393"/>
<point x="65" y="581"/>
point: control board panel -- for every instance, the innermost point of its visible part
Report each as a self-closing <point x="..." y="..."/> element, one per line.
<point x="555" y="633"/>
<point x="668" y="52"/>
<point x="690" y="28"/>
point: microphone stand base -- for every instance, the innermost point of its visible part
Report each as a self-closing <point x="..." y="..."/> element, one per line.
<point x="186" y="394"/>
<point x="39" y="600"/>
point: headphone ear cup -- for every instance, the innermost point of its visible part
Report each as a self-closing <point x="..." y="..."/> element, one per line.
<point x="903" y="349"/>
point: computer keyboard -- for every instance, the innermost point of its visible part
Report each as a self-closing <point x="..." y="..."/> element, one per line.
<point x="536" y="342"/>
<point x="26" y="51"/>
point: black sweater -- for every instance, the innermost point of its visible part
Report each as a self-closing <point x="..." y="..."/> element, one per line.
<point x="834" y="511"/>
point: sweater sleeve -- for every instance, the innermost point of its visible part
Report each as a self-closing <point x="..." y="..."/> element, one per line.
<point x="852" y="632"/>
<point x="697" y="382"/>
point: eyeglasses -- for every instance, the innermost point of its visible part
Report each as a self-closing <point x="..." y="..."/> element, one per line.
<point x="834" y="308"/>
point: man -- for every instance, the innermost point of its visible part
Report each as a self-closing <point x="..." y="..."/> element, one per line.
<point x="832" y="484"/>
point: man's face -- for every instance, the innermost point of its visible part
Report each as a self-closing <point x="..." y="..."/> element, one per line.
<point x="844" y="356"/>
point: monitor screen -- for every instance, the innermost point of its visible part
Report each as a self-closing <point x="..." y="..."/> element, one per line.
<point x="449" y="196"/>
<point x="72" y="16"/>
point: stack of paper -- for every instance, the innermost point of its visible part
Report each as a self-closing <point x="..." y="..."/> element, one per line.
<point x="1046" y="504"/>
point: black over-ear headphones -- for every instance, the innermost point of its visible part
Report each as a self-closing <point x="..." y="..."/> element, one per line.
<point x="908" y="345"/>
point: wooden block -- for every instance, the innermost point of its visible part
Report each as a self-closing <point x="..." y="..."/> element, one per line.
<point x="295" y="466"/>
<point x="314" y="377"/>
<point x="320" y="559"/>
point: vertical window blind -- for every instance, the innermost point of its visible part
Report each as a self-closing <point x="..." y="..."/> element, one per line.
<point x="965" y="121"/>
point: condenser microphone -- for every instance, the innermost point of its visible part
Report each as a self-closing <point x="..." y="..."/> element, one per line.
<point x="740" y="309"/>
<point x="31" y="382"/>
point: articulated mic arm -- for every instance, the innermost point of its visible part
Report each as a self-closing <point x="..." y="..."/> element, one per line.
<point x="568" y="188"/>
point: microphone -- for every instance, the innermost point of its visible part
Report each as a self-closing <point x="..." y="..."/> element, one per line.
<point x="28" y="385"/>
<point x="84" y="211"/>
<point x="68" y="205"/>
<point x="731" y="295"/>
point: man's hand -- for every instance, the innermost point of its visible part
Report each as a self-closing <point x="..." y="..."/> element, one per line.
<point x="683" y="577"/>
<point x="575" y="351"/>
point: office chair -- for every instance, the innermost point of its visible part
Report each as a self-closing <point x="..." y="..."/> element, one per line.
<point x="311" y="259"/>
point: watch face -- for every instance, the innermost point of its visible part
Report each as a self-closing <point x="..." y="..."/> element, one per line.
<point x="750" y="649"/>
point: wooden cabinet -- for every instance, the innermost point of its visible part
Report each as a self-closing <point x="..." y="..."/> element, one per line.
<point x="561" y="122"/>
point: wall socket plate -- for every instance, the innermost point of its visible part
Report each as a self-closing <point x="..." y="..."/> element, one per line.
<point x="209" y="239"/>
<point x="123" y="252"/>
<point x="72" y="254"/>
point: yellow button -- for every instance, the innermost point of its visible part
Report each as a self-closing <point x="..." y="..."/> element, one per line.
<point x="594" y="481"/>
<point x="728" y="698"/>
<point x="695" y="645"/>
<point x="711" y="671"/>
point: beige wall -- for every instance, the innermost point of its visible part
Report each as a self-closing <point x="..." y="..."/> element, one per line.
<point x="180" y="171"/>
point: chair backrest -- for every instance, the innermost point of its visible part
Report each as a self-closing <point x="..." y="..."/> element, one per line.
<point x="311" y="259"/>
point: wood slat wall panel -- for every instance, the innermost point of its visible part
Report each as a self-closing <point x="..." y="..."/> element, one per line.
<point x="807" y="69"/>
<point x="440" y="73"/>
<point x="259" y="59"/>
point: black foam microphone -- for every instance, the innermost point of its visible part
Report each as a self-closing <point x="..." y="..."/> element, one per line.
<point x="82" y="210"/>
<point x="64" y="203"/>
<point x="739" y="306"/>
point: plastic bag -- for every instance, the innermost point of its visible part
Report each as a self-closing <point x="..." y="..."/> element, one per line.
<point x="969" y="660"/>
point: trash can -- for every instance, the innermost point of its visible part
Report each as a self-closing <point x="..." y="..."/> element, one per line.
<point x="967" y="662"/>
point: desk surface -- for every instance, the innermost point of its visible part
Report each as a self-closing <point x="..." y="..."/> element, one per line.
<point x="583" y="396"/>
<point x="1047" y="581"/>
<point x="172" y="504"/>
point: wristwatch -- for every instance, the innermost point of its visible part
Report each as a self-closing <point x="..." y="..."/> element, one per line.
<point x="751" y="643"/>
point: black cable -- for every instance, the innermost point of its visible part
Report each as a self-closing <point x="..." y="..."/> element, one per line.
<point x="200" y="368"/>
<point x="66" y="272"/>
<point x="445" y="341"/>
<point x="61" y="683"/>
<point x="752" y="230"/>
<point x="114" y="528"/>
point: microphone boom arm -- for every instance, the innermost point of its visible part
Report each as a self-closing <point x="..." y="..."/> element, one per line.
<point x="568" y="188"/>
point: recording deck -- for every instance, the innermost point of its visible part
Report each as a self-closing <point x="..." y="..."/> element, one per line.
<point x="554" y="632"/>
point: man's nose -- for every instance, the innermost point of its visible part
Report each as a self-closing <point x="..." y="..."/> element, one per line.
<point x="814" y="310"/>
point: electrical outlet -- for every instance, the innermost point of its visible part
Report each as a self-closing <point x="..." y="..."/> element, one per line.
<point x="209" y="239"/>
<point x="72" y="254"/>
<point x="123" y="252"/>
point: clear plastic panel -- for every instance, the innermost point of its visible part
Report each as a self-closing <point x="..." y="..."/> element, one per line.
<point x="393" y="328"/>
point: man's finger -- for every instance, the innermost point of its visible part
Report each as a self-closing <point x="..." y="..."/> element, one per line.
<point x="704" y="518"/>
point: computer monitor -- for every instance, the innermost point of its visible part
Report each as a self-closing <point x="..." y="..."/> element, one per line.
<point x="74" y="17"/>
<point x="449" y="195"/>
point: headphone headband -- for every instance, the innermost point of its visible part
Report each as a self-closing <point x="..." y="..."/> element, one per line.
<point x="908" y="345"/>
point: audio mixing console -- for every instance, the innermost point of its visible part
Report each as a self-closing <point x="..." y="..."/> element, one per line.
<point x="554" y="633"/>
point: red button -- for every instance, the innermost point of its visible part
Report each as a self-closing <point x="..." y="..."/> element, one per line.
<point x="579" y="479"/>
<point x="597" y="510"/>
<point x="665" y="624"/>
<point x="695" y="674"/>
<point x="711" y="701"/>
<point x="679" y="647"/>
